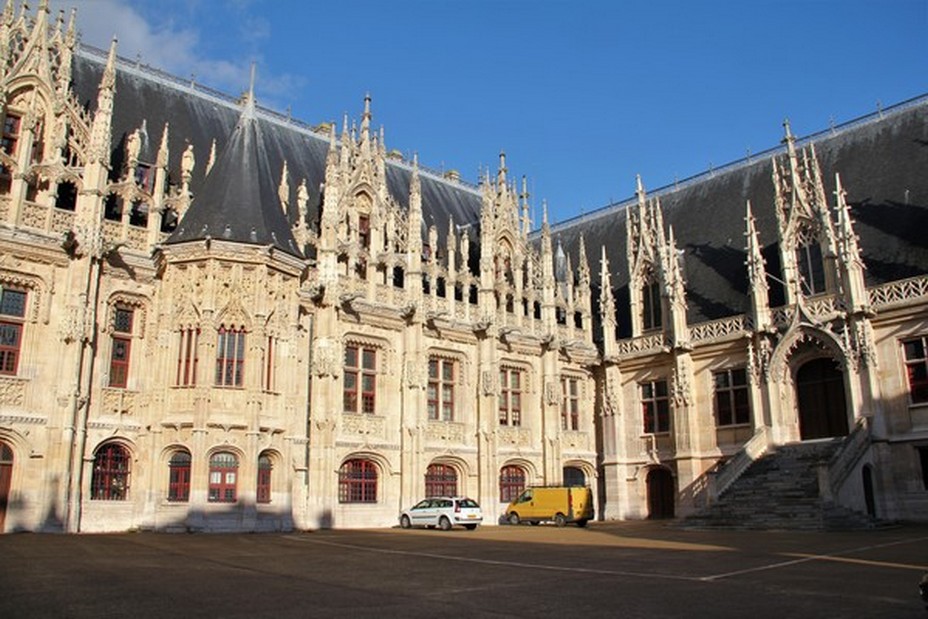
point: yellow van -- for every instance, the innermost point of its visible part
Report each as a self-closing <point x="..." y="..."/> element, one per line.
<point x="560" y="504"/>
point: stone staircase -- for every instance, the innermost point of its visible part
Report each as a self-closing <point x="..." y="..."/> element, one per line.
<point x="780" y="490"/>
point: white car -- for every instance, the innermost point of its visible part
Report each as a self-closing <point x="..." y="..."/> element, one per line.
<point x="443" y="512"/>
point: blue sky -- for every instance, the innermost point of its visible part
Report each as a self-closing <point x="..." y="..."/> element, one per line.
<point x="582" y="95"/>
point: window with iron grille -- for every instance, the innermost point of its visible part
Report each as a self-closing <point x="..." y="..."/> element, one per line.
<point x="811" y="268"/>
<point x="360" y="379"/>
<point x="187" y="357"/>
<point x="511" y="483"/>
<point x="110" y="480"/>
<point x="223" y="478"/>
<point x="121" y="342"/>
<point x="440" y="397"/>
<point x="732" y="398"/>
<point x="12" y="314"/>
<point x="652" y="317"/>
<point x="570" y="404"/>
<point x="655" y="404"/>
<point x="265" y="465"/>
<point x="357" y="482"/>
<point x="916" y="368"/>
<point x="441" y="480"/>
<point x="179" y="477"/>
<point x="510" y="397"/>
<point x="230" y="358"/>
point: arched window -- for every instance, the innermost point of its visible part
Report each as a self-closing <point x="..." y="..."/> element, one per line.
<point x="264" y="479"/>
<point x="179" y="477"/>
<point x="223" y="477"/>
<point x="110" y="481"/>
<point x="441" y="480"/>
<point x="574" y="476"/>
<point x="511" y="483"/>
<point x="357" y="482"/>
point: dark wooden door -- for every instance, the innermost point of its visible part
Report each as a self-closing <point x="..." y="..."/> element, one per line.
<point x="660" y="494"/>
<point x="820" y="395"/>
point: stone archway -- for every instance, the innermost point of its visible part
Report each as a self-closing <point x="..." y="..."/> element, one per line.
<point x="661" y="493"/>
<point x="820" y="400"/>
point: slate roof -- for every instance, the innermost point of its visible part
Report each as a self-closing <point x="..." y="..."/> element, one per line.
<point x="197" y="115"/>
<point x="883" y="163"/>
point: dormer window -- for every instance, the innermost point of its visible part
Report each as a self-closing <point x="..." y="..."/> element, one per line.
<point x="364" y="231"/>
<point x="811" y="268"/>
<point x="144" y="177"/>
<point x="651" y="311"/>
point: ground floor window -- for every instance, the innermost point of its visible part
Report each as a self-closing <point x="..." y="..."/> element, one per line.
<point x="179" y="477"/>
<point x="223" y="478"/>
<point x="264" y="479"/>
<point x="110" y="480"/>
<point x="441" y="480"/>
<point x="511" y="483"/>
<point x="357" y="482"/>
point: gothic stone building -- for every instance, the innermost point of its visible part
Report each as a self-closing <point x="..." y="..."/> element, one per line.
<point x="214" y="317"/>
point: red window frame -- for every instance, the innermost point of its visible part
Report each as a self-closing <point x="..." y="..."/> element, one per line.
<point x="440" y="394"/>
<point x="441" y="480"/>
<point x="360" y="379"/>
<point x="265" y="466"/>
<point x="655" y="406"/>
<point x="732" y="398"/>
<point x="12" y="313"/>
<point x="230" y="358"/>
<point x="187" y="357"/>
<point x="110" y="479"/>
<point x="121" y="347"/>
<point x="223" y="478"/>
<point x="357" y="481"/>
<point x="511" y="483"/>
<point x="179" y="477"/>
<point x="510" y="397"/>
<point x="915" y="353"/>
<point x="570" y="404"/>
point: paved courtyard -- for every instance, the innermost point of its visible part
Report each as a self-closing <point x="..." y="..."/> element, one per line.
<point x="607" y="570"/>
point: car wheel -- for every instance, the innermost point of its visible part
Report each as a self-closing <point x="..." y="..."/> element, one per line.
<point x="513" y="518"/>
<point x="445" y="524"/>
<point x="581" y="523"/>
<point x="470" y="527"/>
<point x="404" y="522"/>
<point x="560" y="520"/>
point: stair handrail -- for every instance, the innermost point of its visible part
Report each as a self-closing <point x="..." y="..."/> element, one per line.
<point x="840" y="465"/>
<point x="722" y="478"/>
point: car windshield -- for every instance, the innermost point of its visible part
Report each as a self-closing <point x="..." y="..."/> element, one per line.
<point x="468" y="503"/>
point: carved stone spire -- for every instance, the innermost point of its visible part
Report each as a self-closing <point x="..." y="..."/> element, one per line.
<point x="607" y="305"/>
<point x="100" y="133"/>
<point x="283" y="190"/>
<point x="849" y="258"/>
<point x="757" y="275"/>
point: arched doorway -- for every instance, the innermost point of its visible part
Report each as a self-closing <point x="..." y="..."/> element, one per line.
<point x="820" y="399"/>
<point x="574" y="476"/>
<point x="6" y="474"/>
<point x="660" y="493"/>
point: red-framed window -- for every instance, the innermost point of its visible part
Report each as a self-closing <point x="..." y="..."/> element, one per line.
<point x="440" y="397"/>
<point x="570" y="404"/>
<point x="360" y="379"/>
<point x="441" y="480"/>
<point x="655" y="405"/>
<point x="357" y="482"/>
<point x="651" y="308"/>
<point x="179" y="477"/>
<point x="12" y="315"/>
<point x="916" y="368"/>
<point x="187" y="357"/>
<point x="732" y="398"/>
<point x="110" y="480"/>
<point x="265" y="466"/>
<point x="121" y="347"/>
<point x="510" y="397"/>
<point x="511" y="483"/>
<point x="230" y="358"/>
<point x="223" y="478"/>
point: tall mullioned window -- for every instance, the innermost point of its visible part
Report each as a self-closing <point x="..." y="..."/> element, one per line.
<point x="441" y="389"/>
<point x="12" y="315"/>
<point x="510" y="397"/>
<point x="811" y="268"/>
<point x="655" y="406"/>
<point x="570" y="404"/>
<point x="187" y="357"/>
<point x="360" y="379"/>
<point x="732" y="401"/>
<point x="651" y="310"/>
<point x="916" y="368"/>
<point x="265" y="466"/>
<point x="121" y="347"/>
<point x="230" y="358"/>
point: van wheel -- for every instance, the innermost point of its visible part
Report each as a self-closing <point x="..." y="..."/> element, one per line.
<point x="581" y="523"/>
<point x="513" y="518"/>
<point x="404" y="522"/>
<point x="445" y="524"/>
<point x="560" y="520"/>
